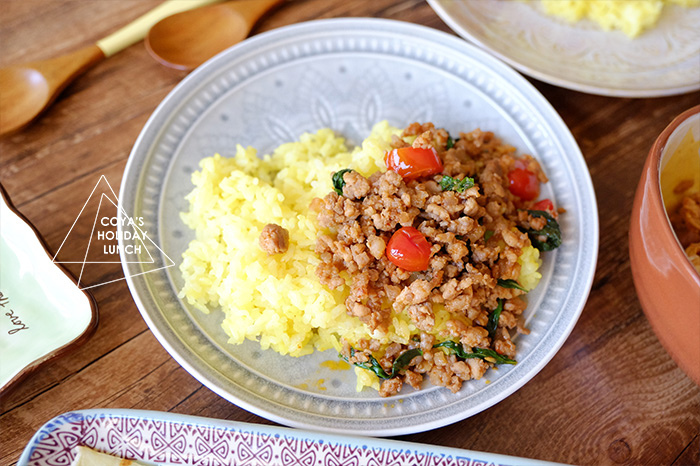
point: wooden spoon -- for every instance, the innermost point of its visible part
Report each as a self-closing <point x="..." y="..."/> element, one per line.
<point x="186" y="40"/>
<point x="26" y="90"/>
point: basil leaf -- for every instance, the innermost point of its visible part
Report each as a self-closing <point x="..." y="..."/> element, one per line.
<point x="400" y="363"/>
<point x="455" y="347"/>
<point x="372" y="365"/>
<point x="447" y="183"/>
<point x="375" y="367"/>
<point x="404" y="360"/>
<point x="485" y="353"/>
<point x="510" y="283"/>
<point x="551" y="232"/>
<point x="495" y="315"/>
<point x="450" y="142"/>
<point x="488" y="234"/>
<point x="338" y="181"/>
<point x="477" y="353"/>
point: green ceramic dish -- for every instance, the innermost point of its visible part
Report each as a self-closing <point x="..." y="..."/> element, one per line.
<point x="43" y="312"/>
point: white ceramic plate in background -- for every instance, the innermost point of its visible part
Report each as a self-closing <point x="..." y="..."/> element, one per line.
<point x="582" y="56"/>
<point x="346" y="74"/>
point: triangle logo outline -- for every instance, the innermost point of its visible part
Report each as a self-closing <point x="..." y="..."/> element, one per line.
<point x="141" y="235"/>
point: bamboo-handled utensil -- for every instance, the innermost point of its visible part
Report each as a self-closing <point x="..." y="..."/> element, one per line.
<point x="186" y="40"/>
<point x="26" y="90"/>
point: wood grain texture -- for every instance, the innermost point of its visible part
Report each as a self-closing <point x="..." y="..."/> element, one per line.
<point x="611" y="395"/>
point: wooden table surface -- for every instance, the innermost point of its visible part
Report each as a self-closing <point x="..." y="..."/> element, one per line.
<point x="611" y="395"/>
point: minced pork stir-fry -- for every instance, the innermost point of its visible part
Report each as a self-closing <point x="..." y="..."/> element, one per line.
<point x="410" y="254"/>
<point x="686" y="223"/>
<point x="450" y="235"/>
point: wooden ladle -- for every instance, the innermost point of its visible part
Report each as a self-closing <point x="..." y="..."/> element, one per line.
<point x="186" y="40"/>
<point x="26" y="90"/>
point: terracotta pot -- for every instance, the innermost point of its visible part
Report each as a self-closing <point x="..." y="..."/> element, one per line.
<point x="668" y="286"/>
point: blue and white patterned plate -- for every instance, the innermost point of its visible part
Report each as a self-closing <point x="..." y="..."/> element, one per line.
<point x="346" y="74"/>
<point x="172" y="439"/>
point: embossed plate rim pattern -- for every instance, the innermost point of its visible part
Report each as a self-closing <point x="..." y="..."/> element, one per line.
<point x="185" y="116"/>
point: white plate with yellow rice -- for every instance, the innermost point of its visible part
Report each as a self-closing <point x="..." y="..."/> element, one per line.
<point x="631" y="48"/>
<point x="325" y="84"/>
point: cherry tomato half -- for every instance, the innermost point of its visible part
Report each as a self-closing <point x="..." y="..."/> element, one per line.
<point x="413" y="162"/>
<point x="408" y="249"/>
<point x="545" y="205"/>
<point x="524" y="184"/>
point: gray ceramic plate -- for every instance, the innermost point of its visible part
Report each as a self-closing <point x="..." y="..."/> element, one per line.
<point x="346" y="74"/>
<point x="581" y="56"/>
